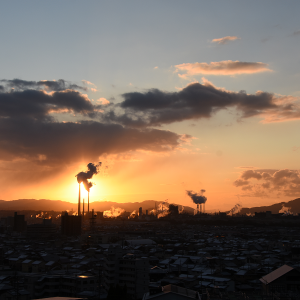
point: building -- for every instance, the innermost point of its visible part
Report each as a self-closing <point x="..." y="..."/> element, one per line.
<point x="172" y="292"/>
<point x="127" y="270"/>
<point x="70" y="225"/>
<point x="64" y="285"/>
<point x="282" y="280"/>
<point x="46" y="229"/>
<point x="19" y="223"/>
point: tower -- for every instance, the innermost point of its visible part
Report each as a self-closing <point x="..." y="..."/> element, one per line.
<point x="79" y="201"/>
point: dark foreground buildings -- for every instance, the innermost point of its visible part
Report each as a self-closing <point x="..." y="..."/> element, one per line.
<point x="204" y="257"/>
<point x="70" y="225"/>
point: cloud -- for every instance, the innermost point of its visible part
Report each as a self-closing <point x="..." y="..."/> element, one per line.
<point x="261" y="181"/>
<point x="38" y="104"/>
<point x="49" y="85"/>
<point x="224" y="40"/>
<point x="296" y="32"/>
<point x="240" y="182"/>
<point x="58" y="142"/>
<point x="251" y="174"/>
<point x="155" y="107"/>
<point x="103" y="101"/>
<point x="88" y="82"/>
<point x="226" y="67"/>
<point x="245" y="167"/>
<point x="30" y="132"/>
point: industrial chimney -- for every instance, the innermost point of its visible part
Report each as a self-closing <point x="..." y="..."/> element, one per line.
<point x="79" y="201"/>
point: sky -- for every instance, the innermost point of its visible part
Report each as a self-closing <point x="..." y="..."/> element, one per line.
<point x="169" y="95"/>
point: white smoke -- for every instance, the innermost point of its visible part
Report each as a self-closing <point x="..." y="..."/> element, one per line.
<point x="132" y="215"/>
<point x="235" y="210"/>
<point x="286" y="211"/>
<point x="113" y="212"/>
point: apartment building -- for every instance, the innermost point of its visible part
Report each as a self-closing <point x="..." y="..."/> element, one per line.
<point x="126" y="270"/>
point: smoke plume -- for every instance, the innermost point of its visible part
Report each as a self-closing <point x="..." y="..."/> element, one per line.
<point x="133" y="214"/>
<point x="198" y="198"/>
<point x="235" y="210"/>
<point x="113" y="212"/>
<point x="84" y="176"/>
<point x="286" y="211"/>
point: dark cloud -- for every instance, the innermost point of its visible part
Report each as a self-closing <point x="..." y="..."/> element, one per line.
<point x="251" y="174"/>
<point x="285" y="181"/>
<point x="155" y="107"/>
<point x="30" y="131"/>
<point x="39" y="104"/>
<point x="54" y="142"/>
<point x="51" y="85"/>
<point x="240" y="182"/>
<point x="247" y="188"/>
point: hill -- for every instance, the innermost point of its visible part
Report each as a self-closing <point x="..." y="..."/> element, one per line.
<point x="293" y="205"/>
<point x="58" y="205"/>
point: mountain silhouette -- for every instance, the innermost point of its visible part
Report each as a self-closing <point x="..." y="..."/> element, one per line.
<point x="58" y="205"/>
<point x="293" y="205"/>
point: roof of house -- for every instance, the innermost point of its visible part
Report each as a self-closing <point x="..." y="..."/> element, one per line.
<point x="188" y="294"/>
<point x="276" y="274"/>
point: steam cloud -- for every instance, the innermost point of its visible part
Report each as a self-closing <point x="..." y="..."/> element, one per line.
<point x="113" y="212"/>
<point x="198" y="198"/>
<point x="84" y="176"/>
<point x="235" y="210"/>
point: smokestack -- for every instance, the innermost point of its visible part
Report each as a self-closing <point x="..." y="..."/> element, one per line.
<point x="204" y="207"/>
<point x="88" y="202"/>
<point x="199" y="199"/>
<point x="146" y="212"/>
<point x="79" y="201"/>
<point x="83" y="207"/>
<point x="84" y="178"/>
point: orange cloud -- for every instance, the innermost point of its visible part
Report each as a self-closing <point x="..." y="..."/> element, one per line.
<point x="225" y="39"/>
<point x="88" y="82"/>
<point x="287" y="109"/>
<point x="226" y="67"/>
<point x="103" y="101"/>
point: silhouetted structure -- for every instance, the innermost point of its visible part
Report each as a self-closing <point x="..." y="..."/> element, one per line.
<point x="173" y="209"/>
<point x="283" y="280"/>
<point x="19" y="223"/>
<point x="70" y="225"/>
<point x="46" y="229"/>
<point x="140" y="211"/>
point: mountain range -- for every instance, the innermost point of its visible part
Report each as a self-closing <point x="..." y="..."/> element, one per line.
<point x="293" y="206"/>
<point x="58" y="205"/>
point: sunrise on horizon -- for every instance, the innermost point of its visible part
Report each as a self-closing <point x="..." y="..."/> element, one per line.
<point x="123" y="109"/>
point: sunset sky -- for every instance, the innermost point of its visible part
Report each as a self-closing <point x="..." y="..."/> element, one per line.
<point x="169" y="95"/>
